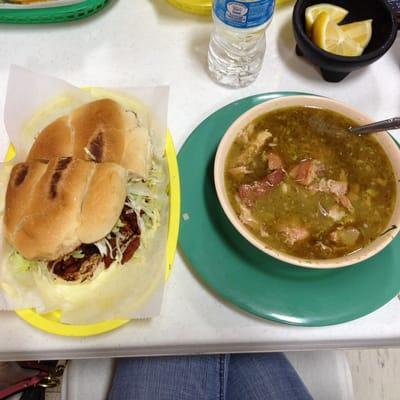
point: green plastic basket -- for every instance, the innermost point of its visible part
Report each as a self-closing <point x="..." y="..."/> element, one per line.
<point x="51" y="14"/>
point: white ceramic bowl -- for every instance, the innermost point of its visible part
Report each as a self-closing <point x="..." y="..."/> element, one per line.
<point x="390" y="147"/>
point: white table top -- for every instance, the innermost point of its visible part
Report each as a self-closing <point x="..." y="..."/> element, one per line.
<point x="147" y="43"/>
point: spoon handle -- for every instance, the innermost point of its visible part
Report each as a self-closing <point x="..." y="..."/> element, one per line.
<point x="391" y="123"/>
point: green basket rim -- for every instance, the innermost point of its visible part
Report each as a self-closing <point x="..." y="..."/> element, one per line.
<point x="65" y="13"/>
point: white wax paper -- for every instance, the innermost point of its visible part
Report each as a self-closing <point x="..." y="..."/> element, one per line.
<point x="131" y="291"/>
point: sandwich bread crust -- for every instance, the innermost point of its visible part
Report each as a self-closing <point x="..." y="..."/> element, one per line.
<point x="51" y="208"/>
<point x="101" y="131"/>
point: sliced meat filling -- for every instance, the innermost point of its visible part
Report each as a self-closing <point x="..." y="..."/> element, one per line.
<point x="274" y="161"/>
<point x="253" y="149"/>
<point x="336" y="213"/>
<point x="306" y="171"/>
<point x="249" y="193"/>
<point x="81" y="264"/>
<point x="129" y="235"/>
<point x="338" y="188"/>
<point x="346" y="203"/>
<point x="293" y="234"/>
<point x="239" y="171"/>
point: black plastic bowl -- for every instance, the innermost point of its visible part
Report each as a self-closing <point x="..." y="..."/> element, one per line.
<point x="333" y="67"/>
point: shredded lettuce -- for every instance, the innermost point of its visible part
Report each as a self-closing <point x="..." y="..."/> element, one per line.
<point x="142" y="198"/>
<point x="119" y="224"/>
<point x="104" y="246"/>
<point x="20" y="263"/>
<point x="77" y="254"/>
<point x="156" y="175"/>
<point x="146" y="202"/>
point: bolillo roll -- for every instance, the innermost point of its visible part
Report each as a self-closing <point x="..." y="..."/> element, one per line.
<point x="101" y="131"/>
<point x="52" y="208"/>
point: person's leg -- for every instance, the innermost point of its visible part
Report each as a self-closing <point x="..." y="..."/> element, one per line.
<point x="170" y="378"/>
<point x="267" y="376"/>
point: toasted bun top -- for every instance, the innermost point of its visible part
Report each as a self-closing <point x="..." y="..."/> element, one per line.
<point x="51" y="208"/>
<point x="101" y="131"/>
<point x="54" y="141"/>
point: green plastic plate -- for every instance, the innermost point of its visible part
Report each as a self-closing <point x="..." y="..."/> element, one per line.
<point x="250" y="279"/>
<point x="51" y="14"/>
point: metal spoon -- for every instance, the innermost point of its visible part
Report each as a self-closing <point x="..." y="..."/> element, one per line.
<point x="391" y="123"/>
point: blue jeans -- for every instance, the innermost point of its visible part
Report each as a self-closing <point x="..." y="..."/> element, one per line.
<point x="267" y="376"/>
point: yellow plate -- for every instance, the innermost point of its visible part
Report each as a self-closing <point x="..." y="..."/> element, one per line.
<point x="50" y="322"/>
<point x="203" y="7"/>
<point x="199" y="7"/>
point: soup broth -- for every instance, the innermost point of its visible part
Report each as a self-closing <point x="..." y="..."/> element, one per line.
<point x="304" y="185"/>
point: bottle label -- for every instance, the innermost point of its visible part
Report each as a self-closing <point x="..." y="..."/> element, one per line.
<point x="241" y="14"/>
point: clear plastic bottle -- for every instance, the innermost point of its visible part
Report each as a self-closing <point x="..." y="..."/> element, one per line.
<point x="237" y="44"/>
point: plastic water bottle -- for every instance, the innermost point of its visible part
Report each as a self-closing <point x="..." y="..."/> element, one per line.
<point x="237" y="44"/>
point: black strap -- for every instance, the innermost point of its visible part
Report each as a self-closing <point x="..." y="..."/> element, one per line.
<point x="34" y="393"/>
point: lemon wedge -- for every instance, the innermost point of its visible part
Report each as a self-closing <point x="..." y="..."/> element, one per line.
<point x="329" y="36"/>
<point x="360" y="31"/>
<point x="335" y="13"/>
